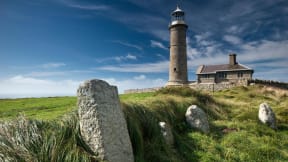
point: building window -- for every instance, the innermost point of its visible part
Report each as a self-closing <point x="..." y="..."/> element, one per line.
<point x="240" y="74"/>
<point x="174" y="69"/>
<point x="223" y="75"/>
<point x="206" y="76"/>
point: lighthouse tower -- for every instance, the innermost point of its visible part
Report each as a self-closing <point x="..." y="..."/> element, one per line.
<point x="178" y="52"/>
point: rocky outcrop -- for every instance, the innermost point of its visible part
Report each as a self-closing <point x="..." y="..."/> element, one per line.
<point x="102" y="123"/>
<point x="266" y="115"/>
<point x="166" y="132"/>
<point x="197" y="118"/>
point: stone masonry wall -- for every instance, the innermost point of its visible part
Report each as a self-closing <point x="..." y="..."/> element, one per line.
<point x="218" y="86"/>
<point x="212" y="87"/>
<point x="269" y="83"/>
<point x="141" y="90"/>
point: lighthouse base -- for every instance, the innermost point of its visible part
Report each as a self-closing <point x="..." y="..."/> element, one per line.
<point x="176" y="83"/>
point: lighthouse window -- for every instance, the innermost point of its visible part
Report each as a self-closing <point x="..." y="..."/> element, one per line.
<point x="174" y="69"/>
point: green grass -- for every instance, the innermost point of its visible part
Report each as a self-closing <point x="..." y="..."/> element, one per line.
<point x="136" y="97"/>
<point x="58" y="139"/>
<point x="33" y="140"/>
<point x="37" y="108"/>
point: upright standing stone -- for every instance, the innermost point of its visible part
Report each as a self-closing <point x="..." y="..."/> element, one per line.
<point x="266" y="115"/>
<point x="102" y="123"/>
<point x="166" y="133"/>
<point x="197" y="118"/>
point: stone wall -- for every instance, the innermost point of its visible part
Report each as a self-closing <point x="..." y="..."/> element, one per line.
<point x="217" y="86"/>
<point x="212" y="87"/>
<point x="141" y="90"/>
<point x="241" y="82"/>
<point x="194" y="85"/>
<point x="269" y="82"/>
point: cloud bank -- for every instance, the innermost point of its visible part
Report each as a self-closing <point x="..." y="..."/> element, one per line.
<point x="23" y="87"/>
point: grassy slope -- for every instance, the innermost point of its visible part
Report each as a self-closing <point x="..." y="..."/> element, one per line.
<point x="235" y="108"/>
<point x="37" y="108"/>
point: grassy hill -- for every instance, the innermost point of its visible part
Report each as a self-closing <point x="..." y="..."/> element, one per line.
<point x="49" y="129"/>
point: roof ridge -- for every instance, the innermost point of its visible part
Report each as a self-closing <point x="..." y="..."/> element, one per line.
<point x="245" y="66"/>
<point x="216" y="64"/>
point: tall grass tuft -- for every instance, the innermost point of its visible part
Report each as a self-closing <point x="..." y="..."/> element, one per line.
<point x="32" y="140"/>
<point x="20" y="140"/>
<point x="143" y="124"/>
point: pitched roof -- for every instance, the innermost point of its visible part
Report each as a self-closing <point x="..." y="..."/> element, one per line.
<point x="210" y="69"/>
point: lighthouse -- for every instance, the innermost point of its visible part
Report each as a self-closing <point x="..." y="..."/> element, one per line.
<point x="178" y="52"/>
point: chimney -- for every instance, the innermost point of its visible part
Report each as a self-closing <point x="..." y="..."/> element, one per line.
<point x="232" y="59"/>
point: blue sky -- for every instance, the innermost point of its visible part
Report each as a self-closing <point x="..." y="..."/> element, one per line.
<point x="48" y="47"/>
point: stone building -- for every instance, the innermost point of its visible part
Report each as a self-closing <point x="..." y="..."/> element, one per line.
<point x="232" y="73"/>
<point x="178" y="52"/>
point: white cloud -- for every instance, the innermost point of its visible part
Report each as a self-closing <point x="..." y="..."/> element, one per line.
<point x="47" y="73"/>
<point x="202" y="36"/>
<point x="205" y="43"/>
<point x="57" y="73"/>
<point x="264" y="50"/>
<point x="232" y="39"/>
<point x="157" y="67"/>
<point x="129" y="45"/>
<point x="158" y="44"/>
<point x="191" y="52"/>
<point x="211" y="60"/>
<point x="127" y="57"/>
<point x="20" y="86"/>
<point x="159" y="33"/>
<point x="161" y="56"/>
<point x="131" y="57"/>
<point x="204" y="46"/>
<point x="251" y="52"/>
<point x="119" y="58"/>
<point x="53" y="65"/>
<point x="136" y="84"/>
<point x="140" y="77"/>
<point x="235" y="29"/>
<point x="91" y="7"/>
<point x="239" y="9"/>
<point x="278" y="74"/>
<point x="271" y="65"/>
